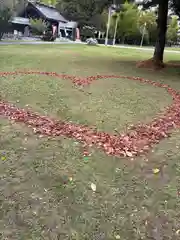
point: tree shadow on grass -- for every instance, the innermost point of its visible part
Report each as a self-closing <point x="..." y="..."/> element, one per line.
<point x="173" y="65"/>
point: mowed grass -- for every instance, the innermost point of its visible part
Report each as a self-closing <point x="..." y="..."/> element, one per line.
<point x="38" y="198"/>
<point x="109" y="104"/>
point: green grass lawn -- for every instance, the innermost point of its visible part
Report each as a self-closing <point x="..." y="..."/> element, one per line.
<point x="45" y="183"/>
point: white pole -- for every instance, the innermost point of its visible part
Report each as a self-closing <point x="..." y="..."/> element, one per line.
<point x="115" y="31"/>
<point x="108" y="25"/>
<point x="65" y="32"/>
<point x="142" y="39"/>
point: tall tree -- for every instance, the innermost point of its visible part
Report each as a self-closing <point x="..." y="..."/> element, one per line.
<point x="161" y="31"/>
<point x="148" y="19"/>
<point x="162" y="18"/>
<point x="81" y="11"/>
<point x="100" y="21"/>
<point x="84" y="12"/>
<point x="127" y="21"/>
<point x="172" y="31"/>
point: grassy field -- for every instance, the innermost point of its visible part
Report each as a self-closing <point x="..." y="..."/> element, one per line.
<point x="45" y="182"/>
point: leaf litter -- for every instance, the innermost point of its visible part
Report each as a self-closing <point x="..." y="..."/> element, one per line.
<point x="139" y="139"/>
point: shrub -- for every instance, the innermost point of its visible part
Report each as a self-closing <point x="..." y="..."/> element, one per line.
<point x="87" y="32"/>
<point x="38" y="26"/>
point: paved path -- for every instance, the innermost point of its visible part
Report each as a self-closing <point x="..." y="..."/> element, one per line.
<point x="140" y="48"/>
<point x="102" y="45"/>
<point x="34" y="43"/>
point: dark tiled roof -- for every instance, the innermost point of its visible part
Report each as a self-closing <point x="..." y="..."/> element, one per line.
<point x="50" y="12"/>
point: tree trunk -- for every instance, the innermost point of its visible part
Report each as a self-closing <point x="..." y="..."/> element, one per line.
<point x="161" y="31"/>
<point x="1" y="35"/>
<point x="123" y="40"/>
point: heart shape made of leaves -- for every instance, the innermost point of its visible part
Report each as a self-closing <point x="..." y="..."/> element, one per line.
<point x="139" y="139"/>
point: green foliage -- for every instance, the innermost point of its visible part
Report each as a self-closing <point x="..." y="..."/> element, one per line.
<point x="5" y="14"/>
<point x="148" y="18"/>
<point x="87" y="32"/>
<point x="85" y="12"/>
<point x="127" y="21"/>
<point x="174" y="4"/>
<point x="79" y="10"/>
<point x="38" y="26"/>
<point x="132" y="22"/>
<point x="100" y="21"/>
<point x="172" y="31"/>
<point x="49" y="2"/>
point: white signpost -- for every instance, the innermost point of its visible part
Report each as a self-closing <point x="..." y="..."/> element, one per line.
<point x="143" y="33"/>
<point x="110" y="12"/>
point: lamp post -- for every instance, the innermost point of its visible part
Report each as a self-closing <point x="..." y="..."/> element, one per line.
<point x="143" y="33"/>
<point x="115" y="30"/>
<point x="111" y="10"/>
<point x="108" y="25"/>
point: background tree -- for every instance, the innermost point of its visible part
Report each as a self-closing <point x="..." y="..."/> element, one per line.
<point x="5" y="14"/>
<point x="172" y="31"/>
<point x="81" y="11"/>
<point x="127" y="21"/>
<point x="100" y="21"/>
<point x="162" y="17"/>
<point x="38" y="26"/>
<point x="84" y="12"/>
<point x="148" y="18"/>
<point x="49" y="2"/>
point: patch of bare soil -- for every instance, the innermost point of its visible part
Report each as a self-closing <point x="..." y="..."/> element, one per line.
<point x="151" y="64"/>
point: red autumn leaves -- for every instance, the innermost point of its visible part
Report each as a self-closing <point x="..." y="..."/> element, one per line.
<point x="139" y="139"/>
